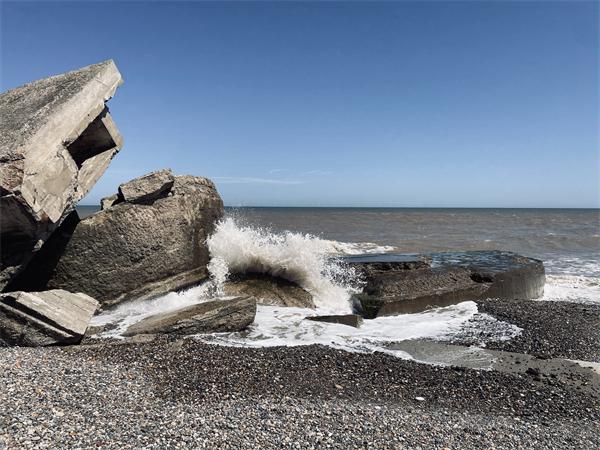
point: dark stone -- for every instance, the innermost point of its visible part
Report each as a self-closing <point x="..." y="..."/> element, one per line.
<point x="352" y="320"/>
<point x="268" y="290"/>
<point x="453" y="277"/>
<point x="388" y="262"/>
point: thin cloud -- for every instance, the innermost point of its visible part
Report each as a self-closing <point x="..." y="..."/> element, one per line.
<point x="272" y="171"/>
<point x="318" y="172"/>
<point x="252" y="180"/>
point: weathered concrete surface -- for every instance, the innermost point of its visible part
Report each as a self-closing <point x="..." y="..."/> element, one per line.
<point x="56" y="140"/>
<point x="147" y="188"/>
<point x="133" y="250"/>
<point x="109" y="201"/>
<point x="268" y="290"/>
<point x="44" y="318"/>
<point x="579" y="374"/>
<point x="208" y="317"/>
<point x="454" y="277"/>
<point x="352" y="320"/>
<point x="386" y="262"/>
<point x="506" y="274"/>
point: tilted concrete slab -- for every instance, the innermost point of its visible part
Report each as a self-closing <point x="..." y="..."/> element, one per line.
<point x="44" y="318"/>
<point x="56" y="139"/>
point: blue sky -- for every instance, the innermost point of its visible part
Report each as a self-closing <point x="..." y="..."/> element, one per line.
<point x="339" y="104"/>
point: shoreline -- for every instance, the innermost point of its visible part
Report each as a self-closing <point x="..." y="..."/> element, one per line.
<point x="171" y="392"/>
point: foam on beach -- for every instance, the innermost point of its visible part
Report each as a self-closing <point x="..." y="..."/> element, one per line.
<point x="306" y="260"/>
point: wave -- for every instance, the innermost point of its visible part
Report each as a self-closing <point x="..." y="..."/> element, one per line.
<point x="236" y="247"/>
<point x="284" y="326"/>
<point x="301" y="258"/>
<point x="572" y="288"/>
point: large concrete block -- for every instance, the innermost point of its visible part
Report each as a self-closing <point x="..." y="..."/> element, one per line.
<point x="56" y="139"/>
<point x="398" y="284"/>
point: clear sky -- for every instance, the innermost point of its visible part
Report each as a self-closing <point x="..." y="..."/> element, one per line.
<point x="339" y="104"/>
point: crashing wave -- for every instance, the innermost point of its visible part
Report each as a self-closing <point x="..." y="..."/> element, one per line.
<point x="301" y="258"/>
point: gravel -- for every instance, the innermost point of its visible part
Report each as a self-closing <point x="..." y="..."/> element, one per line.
<point x="183" y="393"/>
<point x="550" y="329"/>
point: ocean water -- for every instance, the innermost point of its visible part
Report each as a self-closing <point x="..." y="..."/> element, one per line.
<point x="297" y="243"/>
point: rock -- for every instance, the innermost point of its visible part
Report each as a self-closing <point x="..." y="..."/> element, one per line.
<point x="268" y="290"/>
<point x="352" y="320"/>
<point x="56" y="139"/>
<point x="147" y="188"/>
<point x="133" y="250"/>
<point x="208" y="317"/>
<point x="453" y="277"/>
<point x="107" y="202"/>
<point x="507" y="275"/>
<point x="386" y="262"/>
<point x="44" y="318"/>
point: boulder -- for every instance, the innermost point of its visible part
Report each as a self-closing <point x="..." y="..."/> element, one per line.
<point x="453" y="277"/>
<point x="351" y="320"/>
<point x="56" y="139"/>
<point x="44" y="318"/>
<point x="268" y="290"/>
<point x="147" y="188"/>
<point x="208" y="317"/>
<point x="132" y="250"/>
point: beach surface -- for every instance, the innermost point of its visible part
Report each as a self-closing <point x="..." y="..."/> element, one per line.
<point x="169" y="393"/>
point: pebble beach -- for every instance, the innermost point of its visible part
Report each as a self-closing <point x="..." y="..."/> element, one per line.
<point x="180" y="393"/>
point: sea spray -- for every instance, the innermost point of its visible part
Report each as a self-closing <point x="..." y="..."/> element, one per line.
<point x="309" y="261"/>
<point x="301" y="258"/>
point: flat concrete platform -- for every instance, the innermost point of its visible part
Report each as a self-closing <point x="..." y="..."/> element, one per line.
<point x="408" y="283"/>
<point x="579" y="374"/>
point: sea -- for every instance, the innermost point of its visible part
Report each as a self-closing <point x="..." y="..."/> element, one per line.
<point x="298" y="243"/>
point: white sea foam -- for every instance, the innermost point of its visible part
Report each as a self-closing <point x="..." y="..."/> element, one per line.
<point x="301" y="258"/>
<point x="277" y="326"/>
<point x="572" y="288"/>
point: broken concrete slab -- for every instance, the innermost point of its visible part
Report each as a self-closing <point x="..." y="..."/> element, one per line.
<point x="506" y="274"/>
<point x="207" y="317"/>
<point x="147" y="188"/>
<point x="351" y="320"/>
<point x="579" y="374"/>
<point x="44" y="318"/>
<point x="56" y="139"/>
<point x="131" y="250"/>
<point x="453" y="277"/>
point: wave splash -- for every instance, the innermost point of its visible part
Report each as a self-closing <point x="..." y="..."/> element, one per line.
<point x="307" y="260"/>
<point x="301" y="258"/>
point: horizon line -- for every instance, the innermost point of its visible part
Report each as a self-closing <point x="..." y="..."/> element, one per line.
<point x="400" y="207"/>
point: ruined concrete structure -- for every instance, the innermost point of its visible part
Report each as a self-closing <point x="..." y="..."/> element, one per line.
<point x="56" y="139"/>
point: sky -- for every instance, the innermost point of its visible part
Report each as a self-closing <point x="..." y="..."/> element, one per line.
<point x="392" y="104"/>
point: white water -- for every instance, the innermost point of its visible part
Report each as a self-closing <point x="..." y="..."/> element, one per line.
<point x="301" y="258"/>
<point x="572" y="288"/>
<point x="306" y="260"/>
<point x="275" y="326"/>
